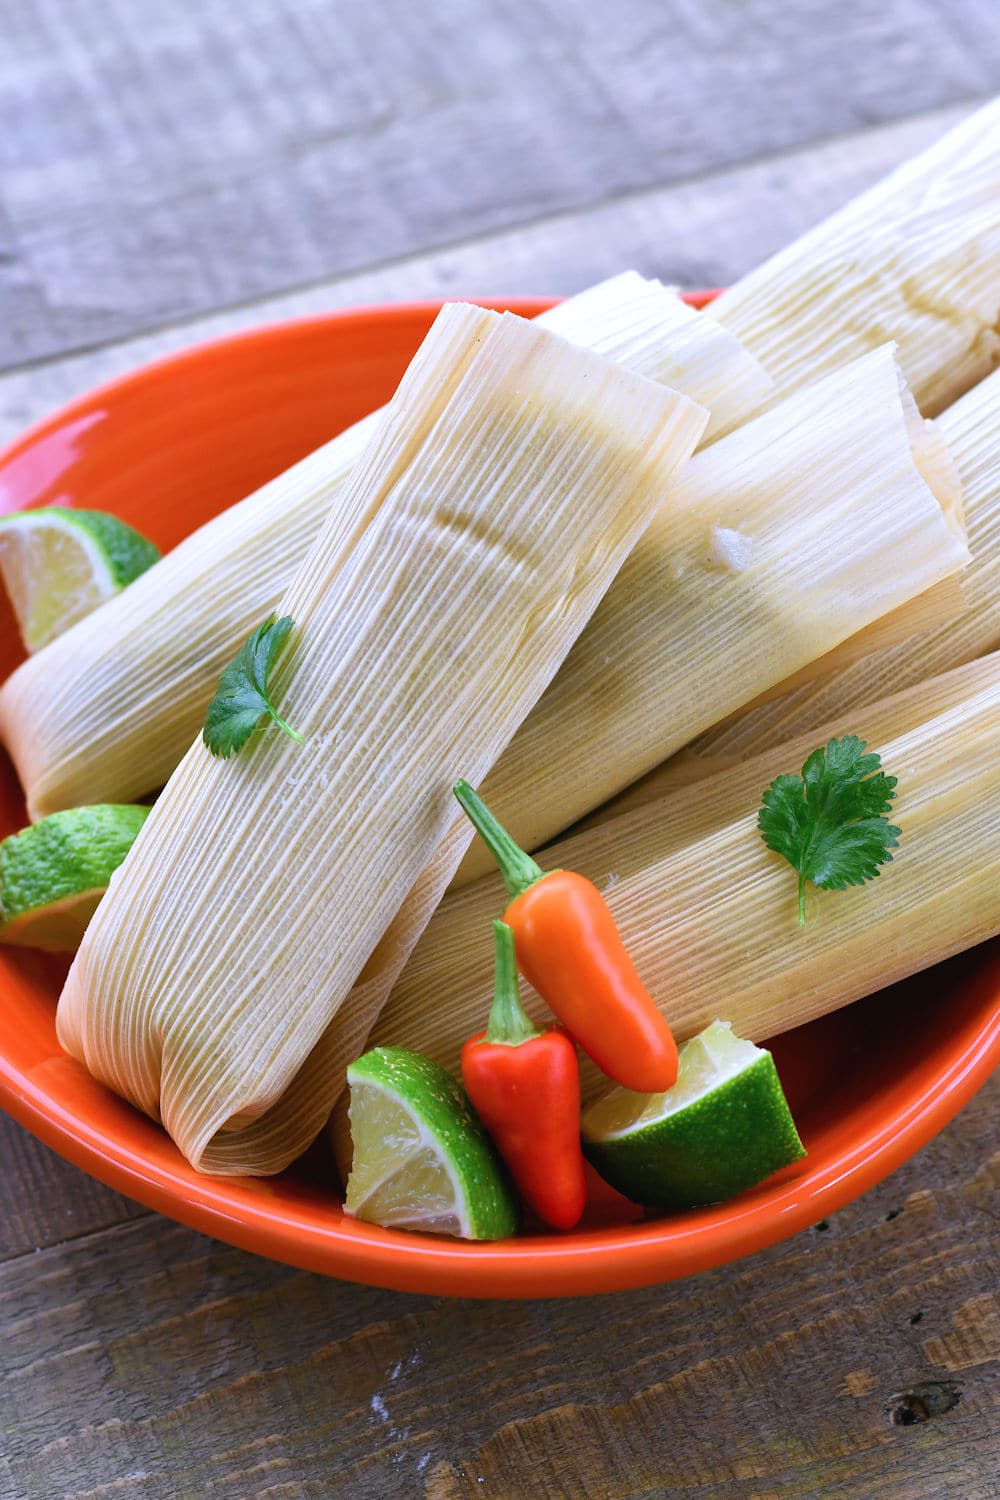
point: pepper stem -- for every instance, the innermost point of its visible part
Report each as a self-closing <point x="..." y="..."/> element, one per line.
<point x="517" y="868"/>
<point x="509" y="1021"/>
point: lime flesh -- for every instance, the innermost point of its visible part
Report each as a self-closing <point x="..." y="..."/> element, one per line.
<point x="723" y="1127"/>
<point x="59" y="564"/>
<point x="421" y="1157"/>
<point x="53" y="874"/>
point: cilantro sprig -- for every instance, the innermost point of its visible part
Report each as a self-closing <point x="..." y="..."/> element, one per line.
<point x="829" y="822"/>
<point x="241" y="699"/>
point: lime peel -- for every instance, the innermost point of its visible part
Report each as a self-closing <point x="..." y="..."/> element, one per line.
<point x="422" y="1159"/>
<point x="53" y="874"/>
<point x="722" y="1128"/>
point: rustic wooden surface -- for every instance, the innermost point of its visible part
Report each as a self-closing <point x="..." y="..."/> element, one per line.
<point x="852" y="1361"/>
<point x="170" y="172"/>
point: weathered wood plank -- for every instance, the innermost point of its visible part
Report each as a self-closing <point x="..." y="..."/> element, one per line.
<point x="159" y="161"/>
<point x="44" y="1200"/>
<point x="855" y="1360"/>
<point x="695" y="234"/>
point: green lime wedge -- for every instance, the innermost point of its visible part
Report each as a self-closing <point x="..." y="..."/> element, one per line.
<point x="53" y="874"/>
<point x="59" y="564"/>
<point x="722" y="1128"/>
<point x="422" y="1160"/>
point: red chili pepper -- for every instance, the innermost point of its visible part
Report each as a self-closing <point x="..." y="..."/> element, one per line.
<point x="525" y="1086"/>
<point x="569" y="948"/>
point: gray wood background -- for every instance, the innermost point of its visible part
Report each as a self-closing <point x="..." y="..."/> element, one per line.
<point x="170" y="171"/>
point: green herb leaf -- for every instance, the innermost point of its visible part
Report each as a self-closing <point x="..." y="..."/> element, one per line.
<point x="828" y="822"/>
<point x="241" y="699"/>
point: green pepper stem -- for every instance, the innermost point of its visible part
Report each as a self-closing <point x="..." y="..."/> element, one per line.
<point x="509" y="1022"/>
<point x="517" y="868"/>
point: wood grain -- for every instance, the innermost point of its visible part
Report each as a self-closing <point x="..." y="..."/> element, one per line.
<point x="160" y="161"/>
<point x="44" y="1200"/>
<point x="702" y="233"/>
<point x="856" y="1360"/>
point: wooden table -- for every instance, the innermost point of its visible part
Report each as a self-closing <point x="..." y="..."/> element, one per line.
<point x="168" y="172"/>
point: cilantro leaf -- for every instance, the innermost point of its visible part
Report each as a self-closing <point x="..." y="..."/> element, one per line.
<point x="241" y="699"/>
<point x="828" y="823"/>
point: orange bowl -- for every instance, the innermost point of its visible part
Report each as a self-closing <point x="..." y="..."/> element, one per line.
<point x="165" y="449"/>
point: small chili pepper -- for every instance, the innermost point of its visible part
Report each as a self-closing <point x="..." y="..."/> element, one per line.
<point x="570" y="950"/>
<point x="525" y="1086"/>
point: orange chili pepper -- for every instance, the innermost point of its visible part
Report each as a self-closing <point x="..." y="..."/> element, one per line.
<point x="524" y="1084"/>
<point x="569" y="948"/>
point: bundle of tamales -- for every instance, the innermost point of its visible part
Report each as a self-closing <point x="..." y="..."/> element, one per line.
<point x="915" y="260"/>
<point x="709" y="914"/>
<point x="105" y="712"/>
<point x="509" y="478"/>
<point x="681" y="630"/>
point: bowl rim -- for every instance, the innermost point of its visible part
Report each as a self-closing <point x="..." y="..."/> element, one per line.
<point x="598" y="1260"/>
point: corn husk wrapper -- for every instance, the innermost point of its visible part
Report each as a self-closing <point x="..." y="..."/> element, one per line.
<point x="643" y="325"/>
<point x="508" y="480"/>
<point x="709" y="914"/>
<point x="106" y="711"/>
<point x="915" y="259"/>
<point x="972" y="430"/>
<point x="782" y="542"/>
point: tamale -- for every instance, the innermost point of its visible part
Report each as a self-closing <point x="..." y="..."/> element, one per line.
<point x="916" y="259"/>
<point x="972" y="430"/>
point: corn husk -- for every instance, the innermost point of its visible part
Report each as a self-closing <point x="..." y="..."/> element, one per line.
<point x="709" y="914"/>
<point x="505" y="485"/>
<point x="828" y="525"/>
<point x="644" y="326"/>
<point x="915" y="259"/>
<point x="972" y="430"/>
<point x="107" y="710"/>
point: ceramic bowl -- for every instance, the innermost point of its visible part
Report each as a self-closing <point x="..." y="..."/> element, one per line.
<point x="165" y="449"/>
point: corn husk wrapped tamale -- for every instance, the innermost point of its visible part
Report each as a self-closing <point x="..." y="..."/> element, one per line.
<point x="972" y="430"/>
<point x="709" y="914"/>
<point x="915" y="259"/>
<point x="106" y="711"/>
<point x="503" y="488"/>
<point x="781" y="542"/>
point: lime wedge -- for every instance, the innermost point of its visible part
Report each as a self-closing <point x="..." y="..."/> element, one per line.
<point x="723" y="1127"/>
<point x="54" y="873"/>
<point x="422" y="1160"/>
<point x="59" y="564"/>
